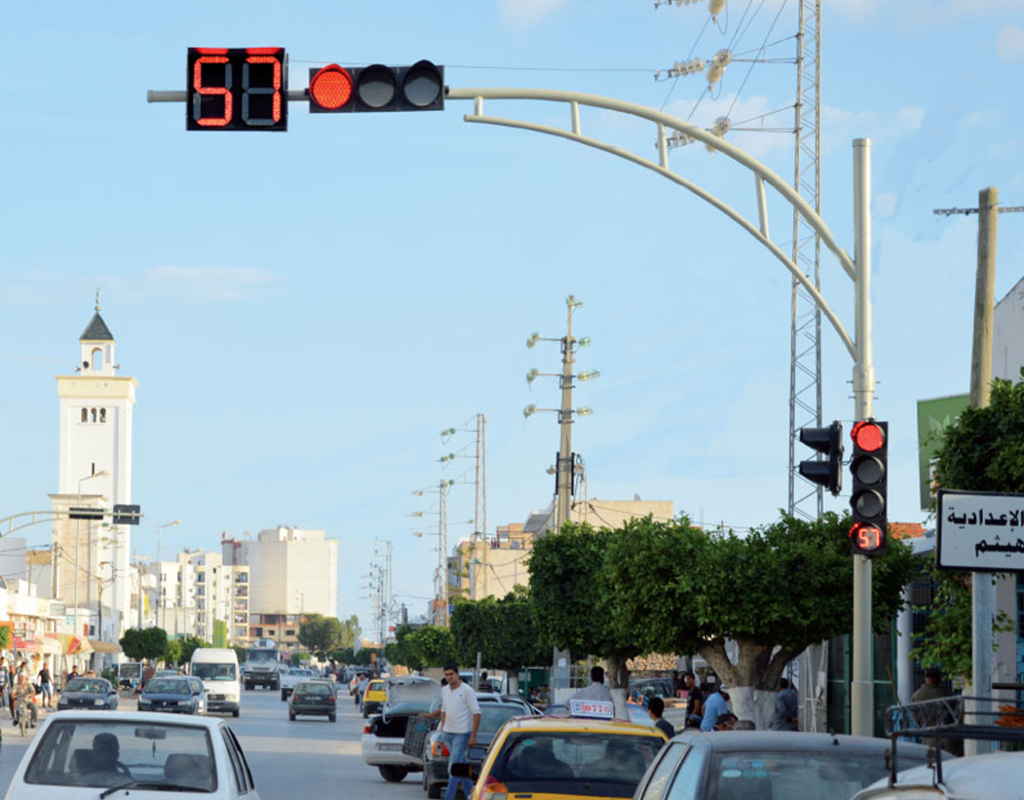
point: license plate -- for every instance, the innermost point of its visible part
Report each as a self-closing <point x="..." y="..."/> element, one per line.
<point x="389" y="747"/>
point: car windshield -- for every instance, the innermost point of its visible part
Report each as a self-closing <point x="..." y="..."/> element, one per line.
<point x="585" y="764"/>
<point x="159" y="686"/>
<point x="215" y="672"/>
<point x="808" y="775"/>
<point x="313" y="689"/>
<point x="375" y="686"/>
<point x="262" y="656"/>
<point x="493" y="716"/>
<point x="89" y="685"/>
<point x="108" y="753"/>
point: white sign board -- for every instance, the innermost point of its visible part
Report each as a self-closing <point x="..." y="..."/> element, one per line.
<point x="593" y="709"/>
<point x="980" y="531"/>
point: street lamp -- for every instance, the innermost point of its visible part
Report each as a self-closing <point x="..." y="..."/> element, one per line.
<point x="160" y="572"/>
<point x="78" y="539"/>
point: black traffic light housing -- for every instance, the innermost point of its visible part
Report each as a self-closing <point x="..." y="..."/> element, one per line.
<point x="869" y="494"/>
<point x="828" y="471"/>
<point x="335" y="89"/>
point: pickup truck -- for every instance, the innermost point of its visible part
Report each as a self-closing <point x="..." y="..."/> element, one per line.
<point x="381" y="746"/>
<point x="292" y="677"/>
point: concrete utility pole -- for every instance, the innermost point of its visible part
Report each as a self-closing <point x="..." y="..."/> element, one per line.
<point x="565" y="422"/>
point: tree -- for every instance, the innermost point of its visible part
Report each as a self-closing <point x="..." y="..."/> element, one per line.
<point x="350" y="631"/>
<point x="241" y="653"/>
<point x="140" y="643"/>
<point x="432" y="646"/>
<point x="321" y="635"/>
<point x="5" y="637"/>
<point x="773" y="592"/>
<point x="401" y="651"/>
<point x="504" y="632"/>
<point x="189" y="645"/>
<point x="173" y="653"/>
<point x="982" y="451"/>
<point x="572" y="600"/>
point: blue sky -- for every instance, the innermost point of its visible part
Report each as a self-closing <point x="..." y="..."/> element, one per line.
<point x="305" y="312"/>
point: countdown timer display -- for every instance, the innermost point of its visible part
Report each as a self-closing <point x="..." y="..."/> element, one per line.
<point x="237" y="89"/>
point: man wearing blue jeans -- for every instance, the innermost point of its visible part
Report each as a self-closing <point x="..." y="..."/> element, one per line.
<point x="460" y="719"/>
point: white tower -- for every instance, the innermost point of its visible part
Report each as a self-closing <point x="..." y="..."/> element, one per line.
<point x="95" y="436"/>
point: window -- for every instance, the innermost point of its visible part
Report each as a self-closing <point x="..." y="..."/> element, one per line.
<point x="85" y="415"/>
<point x="97" y="358"/>
<point x="686" y="786"/>
<point x="200" y="577"/>
<point x="242" y="577"/>
<point x="658" y="783"/>
<point x="93" y="414"/>
<point x="289" y="633"/>
<point x="103" y="415"/>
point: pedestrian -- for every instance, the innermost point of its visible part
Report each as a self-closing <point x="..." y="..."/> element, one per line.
<point x="460" y="720"/>
<point x="932" y="714"/>
<point x="5" y="682"/>
<point x="725" y="722"/>
<point x="714" y="706"/>
<point x="46" y="686"/>
<point x="484" y="684"/>
<point x="597" y="690"/>
<point x="694" y="700"/>
<point x="655" y="708"/>
<point x="787" y="708"/>
<point x="364" y="681"/>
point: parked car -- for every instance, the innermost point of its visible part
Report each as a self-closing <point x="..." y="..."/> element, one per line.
<point x="88" y="693"/>
<point x="566" y="758"/>
<point x="200" y="692"/>
<point x="435" y="754"/>
<point x="374" y="698"/>
<point x="762" y="765"/>
<point x="292" y="677"/>
<point x="79" y="754"/>
<point x="313" y="697"/>
<point x="177" y="695"/>
<point x="384" y="735"/>
<point x="996" y="776"/>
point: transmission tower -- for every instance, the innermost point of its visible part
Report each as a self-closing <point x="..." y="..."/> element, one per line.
<point x="805" y="498"/>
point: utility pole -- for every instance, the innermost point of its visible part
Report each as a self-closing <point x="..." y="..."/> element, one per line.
<point x="564" y="465"/>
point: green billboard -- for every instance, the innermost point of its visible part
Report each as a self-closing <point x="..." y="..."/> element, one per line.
<point x="220" y="633"/>
<point x="933" y="417"/>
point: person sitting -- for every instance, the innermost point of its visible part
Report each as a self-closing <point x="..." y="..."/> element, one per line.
<point x="726" y="721"/>
<point x="106" y="750"/>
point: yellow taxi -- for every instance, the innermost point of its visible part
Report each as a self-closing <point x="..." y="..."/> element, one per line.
<point x="374" y="697"/>
<point x="564" y="758"/>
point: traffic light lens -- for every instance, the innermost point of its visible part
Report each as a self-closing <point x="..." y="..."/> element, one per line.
<point x="866" y="538"/>
<point x="376" y="86"/>
<point x="422" y="85"/>
<point x="868" y="504"/>
<point x="331" y="87"/>
<point x="868" y="436"/>
<point x="868" y="470"/>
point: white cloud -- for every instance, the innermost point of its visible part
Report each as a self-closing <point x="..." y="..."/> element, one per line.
<point x="1010" y="43"/>
<point x="207" y="283"/>
<point x="525" y="13"/>
<point x="885" y="204"/>
<point x="911" y="117"/>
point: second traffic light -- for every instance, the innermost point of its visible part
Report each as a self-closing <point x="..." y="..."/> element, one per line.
<point x="827" y="472"/>
<point x="335" y="89"/>
<point x="868" y="497"/>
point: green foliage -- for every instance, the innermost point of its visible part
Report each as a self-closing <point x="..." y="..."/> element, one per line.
<point x="982" y="451"/>
<point x="350" y="631"/>
<point x="173" y="653"/>
<point x="241" y="653"/>
<point x="362" y="658"/>
<point x="299" y="659"/>
<point x="321" y="635"/>
<point x="111" y="675"/>
<point x="401" y="651"/>
<point x="786" y="585"/>
<point x="189" y="645"/>
<point x="5" y="637"/>
<point x="504" y="632"/>
<point x="148" y="643"/>
<point x="418" y="648"/>
<point x="571" y="592"/>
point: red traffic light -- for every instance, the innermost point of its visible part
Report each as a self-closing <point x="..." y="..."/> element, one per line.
<point x="331" y="87"/>
<point x="868" y="436"/>
<point x="866" y="538"/>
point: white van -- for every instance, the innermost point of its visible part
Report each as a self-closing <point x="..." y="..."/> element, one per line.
<point x="217" y="667"/>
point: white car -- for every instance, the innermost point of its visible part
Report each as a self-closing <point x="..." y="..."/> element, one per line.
<point x="996" y="776"/>
<point x="292" y="677"/>
<point x="384" y="734"/>
<point x="90" y="754"/>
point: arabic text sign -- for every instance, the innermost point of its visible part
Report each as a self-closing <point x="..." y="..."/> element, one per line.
<point x="981" y="532"/>
<point x="595" y="709"/>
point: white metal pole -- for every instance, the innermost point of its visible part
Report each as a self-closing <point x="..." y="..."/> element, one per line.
<point x="862" y="687"/>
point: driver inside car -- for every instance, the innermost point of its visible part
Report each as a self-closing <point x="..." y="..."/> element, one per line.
<point x="104" y="757"/>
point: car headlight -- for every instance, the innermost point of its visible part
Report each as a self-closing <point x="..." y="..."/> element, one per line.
<point x="99" y="702"/>
<point x="143" y="701"/>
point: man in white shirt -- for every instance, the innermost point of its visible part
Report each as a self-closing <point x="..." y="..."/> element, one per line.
<point x="597" y="690"/>
<point x="460" y="719"/>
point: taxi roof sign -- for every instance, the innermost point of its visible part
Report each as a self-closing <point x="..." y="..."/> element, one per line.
<point x="592" y="709"/>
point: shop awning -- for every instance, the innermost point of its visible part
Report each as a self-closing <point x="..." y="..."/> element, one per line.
<point x="104" y="647"/>
<point x="48" y="645"/>
<point x="71" y="645"/>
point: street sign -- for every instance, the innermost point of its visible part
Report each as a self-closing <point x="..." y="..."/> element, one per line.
<point x="980" y="531"/>
<point x="127" y="515"/>
<point x="85" y="513"/>
<point x="237" y="89"/>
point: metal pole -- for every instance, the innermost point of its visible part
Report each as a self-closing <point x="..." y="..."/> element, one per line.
<point x="159" y="580"/>
<point x="565" y="423"/>
<point x="140" y="595"/>
<point x="982" y="591"/>
<point x="862" y="688"/>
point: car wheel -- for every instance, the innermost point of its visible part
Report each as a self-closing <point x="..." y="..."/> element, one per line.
<point x="283" y="695"/>
<point x="434" y="790"/>
<point x="234" y="713"/>
<point x="365" y="714"/>
<point x="392" y="774"/>
<point x="291" y="716"/>
<point x="332" y="718"/>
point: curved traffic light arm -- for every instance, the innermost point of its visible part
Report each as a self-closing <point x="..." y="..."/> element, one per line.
<point x="665" y="122"/>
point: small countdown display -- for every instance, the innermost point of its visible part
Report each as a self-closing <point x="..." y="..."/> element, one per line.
<point x="237" y="89"/>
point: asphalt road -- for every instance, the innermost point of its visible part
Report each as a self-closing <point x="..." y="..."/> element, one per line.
<point x="287" y="758"/>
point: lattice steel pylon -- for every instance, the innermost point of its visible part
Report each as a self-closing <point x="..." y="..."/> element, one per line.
<point x="805" y="498"/>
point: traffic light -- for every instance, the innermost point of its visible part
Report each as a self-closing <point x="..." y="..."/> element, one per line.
<point x="827" y="472"/>
<point x="335" y="89"/>
<point x="237" y="89"/>
<point x="868" y="533"/>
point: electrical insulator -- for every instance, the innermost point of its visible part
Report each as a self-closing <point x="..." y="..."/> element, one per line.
<point x="715" y="7"/>
<point x="723" y="57"/>
<point x="721" y="126"/>
<point x="714" y="73"/>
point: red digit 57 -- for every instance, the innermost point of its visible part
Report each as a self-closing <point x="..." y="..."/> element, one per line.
<point x="201" y="91"/>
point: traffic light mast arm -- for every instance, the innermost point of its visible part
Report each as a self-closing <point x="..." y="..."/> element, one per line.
<point x="175" y="96"/>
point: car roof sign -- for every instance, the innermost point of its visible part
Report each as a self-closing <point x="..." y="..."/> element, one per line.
<point x="592" y="709"/>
